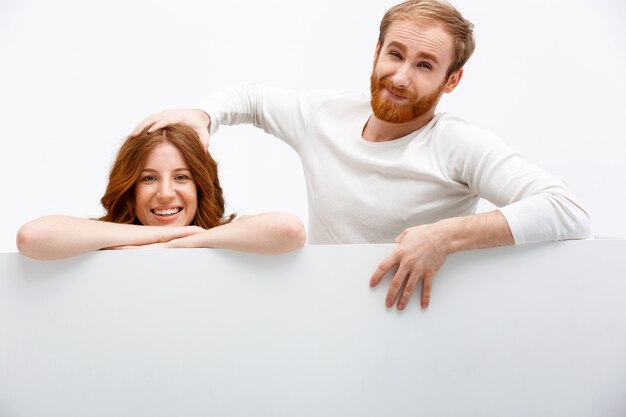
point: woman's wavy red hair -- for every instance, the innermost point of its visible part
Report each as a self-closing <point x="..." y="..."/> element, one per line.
<point x="119" y="198"/>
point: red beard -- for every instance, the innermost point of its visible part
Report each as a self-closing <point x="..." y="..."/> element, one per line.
<point x="388" y="111"/>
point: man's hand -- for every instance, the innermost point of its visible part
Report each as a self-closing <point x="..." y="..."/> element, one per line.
<point x="423" y="249"/>
<point x="420" y="253"/>
<point x="193" y="118"/>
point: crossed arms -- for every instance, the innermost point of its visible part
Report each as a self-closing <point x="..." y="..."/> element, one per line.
<point x="56" y="237"/>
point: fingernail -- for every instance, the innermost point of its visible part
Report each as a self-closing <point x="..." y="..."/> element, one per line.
<point x="400" y="306"/>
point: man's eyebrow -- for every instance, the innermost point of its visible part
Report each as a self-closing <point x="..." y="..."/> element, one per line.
<point x="430" y="57"/>
<point x="397" y="45"/>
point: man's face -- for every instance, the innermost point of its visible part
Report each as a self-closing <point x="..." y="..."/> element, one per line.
<point x="409" y="74"/>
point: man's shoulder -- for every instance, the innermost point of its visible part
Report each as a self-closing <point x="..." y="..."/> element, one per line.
<point x="457" y="134"/>
<point x="348" y="96"/>
<point x="345" y="102"/>
<point x="451" y="123"/>
<point x="451" y="126"/>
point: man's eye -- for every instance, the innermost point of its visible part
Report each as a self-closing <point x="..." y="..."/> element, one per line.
<point x="425" y="65"/>
<point x="395" y="54"/>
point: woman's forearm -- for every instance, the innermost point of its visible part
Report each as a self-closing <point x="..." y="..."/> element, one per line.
<point x="57" y="237"/>
<point x="266" y="233"/>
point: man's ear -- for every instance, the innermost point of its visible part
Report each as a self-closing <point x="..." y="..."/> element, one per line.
<point x="453" y="81"/>
<point x="376" y="52"/>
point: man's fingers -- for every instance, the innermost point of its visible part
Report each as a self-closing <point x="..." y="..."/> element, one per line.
<point x="383" y="268"/>
<point x="409" y="288"/>
<point x="400" y="236"/>
<point x="160" y="124"/>
<point x="427" y="285"/>
<point x="396" y="285"/>
<point x="151" y="120"/>
<point x="141" y="126"/>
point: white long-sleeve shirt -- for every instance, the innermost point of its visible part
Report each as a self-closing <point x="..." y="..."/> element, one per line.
<point x="369" y="192"/>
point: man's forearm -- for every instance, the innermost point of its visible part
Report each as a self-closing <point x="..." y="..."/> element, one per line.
<point x="485" y="230"/>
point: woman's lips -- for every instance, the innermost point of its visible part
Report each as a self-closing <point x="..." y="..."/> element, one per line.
<point x="166" y="212"/>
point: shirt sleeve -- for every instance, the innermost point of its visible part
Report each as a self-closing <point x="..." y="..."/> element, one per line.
<point x="280" y="112"/>
<point x="536" y="204"/>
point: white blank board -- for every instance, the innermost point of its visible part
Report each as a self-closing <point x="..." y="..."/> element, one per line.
<point x="535" y="330"/>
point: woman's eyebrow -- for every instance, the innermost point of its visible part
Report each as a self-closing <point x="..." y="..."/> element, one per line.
<point x="156" y="170"/>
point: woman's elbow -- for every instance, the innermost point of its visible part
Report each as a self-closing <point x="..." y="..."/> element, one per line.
<point x="26" y="240"/>
<point x="288" y="232"/>
<point x="293" y="232"/>
<point x="35" y="239"/>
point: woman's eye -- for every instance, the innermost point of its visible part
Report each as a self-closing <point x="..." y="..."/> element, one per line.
<point x="149" y="178"/>
<point x="181" y="177"/>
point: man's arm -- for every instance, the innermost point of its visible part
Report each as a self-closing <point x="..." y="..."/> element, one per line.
<point x="422" y="250"/>
<point x="535" y="206"/>
<point x="281" y="112"/>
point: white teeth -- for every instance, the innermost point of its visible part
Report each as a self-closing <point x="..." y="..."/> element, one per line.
<point x="168" y="212"/>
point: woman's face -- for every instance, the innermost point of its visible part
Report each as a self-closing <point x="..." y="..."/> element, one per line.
<point x="165" y="194"/>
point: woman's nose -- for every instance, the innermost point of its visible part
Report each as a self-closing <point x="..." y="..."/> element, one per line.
<point x="166" y="190"/>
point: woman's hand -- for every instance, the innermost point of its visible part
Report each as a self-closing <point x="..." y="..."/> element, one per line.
<point x="167" y="234"/>
<point x="170" y="237"/>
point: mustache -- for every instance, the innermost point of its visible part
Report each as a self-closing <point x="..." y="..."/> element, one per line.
<point x="402" y="92"/>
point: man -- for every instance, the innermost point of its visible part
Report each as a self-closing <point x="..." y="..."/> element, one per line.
<point x="388" y="168"/>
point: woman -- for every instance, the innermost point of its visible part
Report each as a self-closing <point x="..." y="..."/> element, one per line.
<point x="163" y="192"/>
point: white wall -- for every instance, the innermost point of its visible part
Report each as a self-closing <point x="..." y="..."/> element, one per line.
<point x="75" y="77"/>
<point x="516" y="331"/>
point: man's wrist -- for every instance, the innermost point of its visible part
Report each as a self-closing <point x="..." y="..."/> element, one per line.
<point x="484" y="230"/>
<point x="206" y="118"/>
<point x="449" y="232"/>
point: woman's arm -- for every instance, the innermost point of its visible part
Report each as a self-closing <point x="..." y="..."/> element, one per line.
<point x="57" y="237"/>
<point x="266" y="233"/>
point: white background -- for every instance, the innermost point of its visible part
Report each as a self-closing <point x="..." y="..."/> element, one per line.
<point x="76" y="76"/>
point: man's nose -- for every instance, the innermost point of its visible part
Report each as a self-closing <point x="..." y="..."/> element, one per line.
<point x="400" y="78"/>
